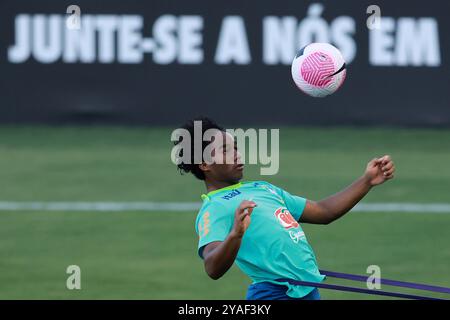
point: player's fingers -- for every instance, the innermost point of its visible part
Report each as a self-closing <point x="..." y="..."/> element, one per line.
<point x="374" y="162"/>
<point x="246" y="212"/>
<point x="244" y="215"/>
<point x="389" y="172"/>
<point x="246" y="204"/>
<point x="389" y="177"/>
<point x="388" y="166"/>
<point x="385" y="159"/>
<point x="246" y="207"/>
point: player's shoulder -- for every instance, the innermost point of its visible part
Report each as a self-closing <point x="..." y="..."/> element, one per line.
<point x="215" y="206"/>
<point x="262" y="184"/>
<point x="258" y="183"/>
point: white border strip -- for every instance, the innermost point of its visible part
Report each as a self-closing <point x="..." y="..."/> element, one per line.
<point x="99" y="206"/>
<point x="194" y="206"/>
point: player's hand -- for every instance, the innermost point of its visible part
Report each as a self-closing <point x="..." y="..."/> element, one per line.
<point x="242" y="217"/>
<point x="379" y="170"/>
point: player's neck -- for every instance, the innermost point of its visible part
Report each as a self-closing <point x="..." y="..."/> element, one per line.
<point x="215" y="185"/>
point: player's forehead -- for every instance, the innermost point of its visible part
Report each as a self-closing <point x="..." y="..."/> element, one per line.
<point x="223" y="138"/>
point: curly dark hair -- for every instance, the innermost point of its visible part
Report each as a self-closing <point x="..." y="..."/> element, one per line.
<point x="207" y="124"/>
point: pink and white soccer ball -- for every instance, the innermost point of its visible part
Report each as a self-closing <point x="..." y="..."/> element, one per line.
<point x="318" y="69"/>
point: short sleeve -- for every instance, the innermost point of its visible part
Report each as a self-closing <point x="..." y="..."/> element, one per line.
<point x="295" y="204"/>
<point x="214" y="223"/>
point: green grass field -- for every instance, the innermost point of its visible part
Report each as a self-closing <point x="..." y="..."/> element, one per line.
<point x="152" y="255"/>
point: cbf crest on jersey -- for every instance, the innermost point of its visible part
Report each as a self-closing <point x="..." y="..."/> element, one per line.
<point x="285" y="218"/>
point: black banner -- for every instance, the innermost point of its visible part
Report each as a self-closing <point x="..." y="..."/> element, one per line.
<point x="160" y="62"/>
<point x="220" y="309"/>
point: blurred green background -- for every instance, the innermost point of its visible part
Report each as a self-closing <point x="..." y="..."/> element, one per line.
<point x="152" y="255"/>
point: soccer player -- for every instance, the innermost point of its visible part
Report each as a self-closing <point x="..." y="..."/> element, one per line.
<point x="256" y="224"/>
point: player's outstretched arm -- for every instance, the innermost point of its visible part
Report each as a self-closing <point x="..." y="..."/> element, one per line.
<point x="327" y="210"/>
<point x="219" y="256"/>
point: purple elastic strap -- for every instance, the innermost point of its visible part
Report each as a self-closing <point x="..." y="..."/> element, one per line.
<point x="387" y="282"/>
<point x="358" y="290"/>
